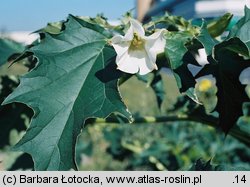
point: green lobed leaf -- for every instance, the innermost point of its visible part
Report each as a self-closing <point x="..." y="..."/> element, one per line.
<point x="63" y="90"/>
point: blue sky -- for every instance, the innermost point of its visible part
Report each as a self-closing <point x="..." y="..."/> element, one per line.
<point x="30" y="15"/>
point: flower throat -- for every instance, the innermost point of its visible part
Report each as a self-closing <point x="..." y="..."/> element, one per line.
<point x="137" y="43"/>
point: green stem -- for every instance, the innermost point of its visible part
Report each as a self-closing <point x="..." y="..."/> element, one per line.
<point x="237" y="133"/>
<point x="145" y="119"/>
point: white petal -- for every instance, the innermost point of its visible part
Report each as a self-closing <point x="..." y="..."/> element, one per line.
<point x="117" y="39"/>
<point x="152" y="54"/>
<point x="129" y="34"/>
<point x="156" y="35"/>
<point x="135" y="61"/>
<point x="127" y="64"/>
<point x="120" y="45"/>
<point x="146" y="66"/>
<point x="155" y="44"/>
<point x="156" y="41"/>
<point x="137" y="27"/>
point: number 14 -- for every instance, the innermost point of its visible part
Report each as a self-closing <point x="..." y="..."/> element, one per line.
<point x="240" y="179"/>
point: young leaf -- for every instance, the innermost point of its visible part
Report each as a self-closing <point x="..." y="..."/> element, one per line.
<point x="205" y="39"/>
<point x="241" y="28"/>
<point x="63" y="91"/>
<point x="52" y="28"/>
<point x="217" y="27"/>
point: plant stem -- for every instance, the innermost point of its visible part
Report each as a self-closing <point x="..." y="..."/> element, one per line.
<point x="236" y="132"/>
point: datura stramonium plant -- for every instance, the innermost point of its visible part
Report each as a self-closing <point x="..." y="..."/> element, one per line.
<point x="136" y="53"/>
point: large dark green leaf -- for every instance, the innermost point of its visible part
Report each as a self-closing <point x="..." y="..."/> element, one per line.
<point x="63" y="91"/>
<point x="231" y="93"/>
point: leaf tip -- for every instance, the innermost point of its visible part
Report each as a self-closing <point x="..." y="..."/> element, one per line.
<point x="246" y="9"/>
<point x="6" y="101"/>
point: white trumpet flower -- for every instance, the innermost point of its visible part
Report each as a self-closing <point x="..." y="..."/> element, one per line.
<point x="137" y="52"/>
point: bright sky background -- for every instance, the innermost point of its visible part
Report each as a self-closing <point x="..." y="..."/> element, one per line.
<point x="30" y="15"/>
